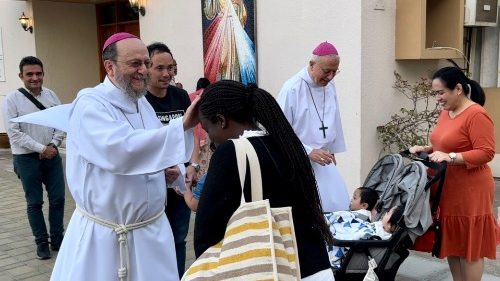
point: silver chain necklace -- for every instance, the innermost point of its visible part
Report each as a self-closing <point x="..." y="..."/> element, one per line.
<point x="140" y="114"/>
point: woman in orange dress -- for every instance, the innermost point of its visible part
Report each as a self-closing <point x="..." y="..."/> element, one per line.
<point x="464" y="137"/>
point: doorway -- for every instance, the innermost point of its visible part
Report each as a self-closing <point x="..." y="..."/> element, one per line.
<point x="113" y="17"/>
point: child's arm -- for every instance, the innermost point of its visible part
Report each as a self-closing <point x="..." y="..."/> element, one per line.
<point x="191" y="202"/>
<point x="192" y="196"/>
<point x="374" y="214"/>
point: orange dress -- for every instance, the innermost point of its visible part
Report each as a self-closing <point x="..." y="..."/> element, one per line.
<point x="466" y="208"/>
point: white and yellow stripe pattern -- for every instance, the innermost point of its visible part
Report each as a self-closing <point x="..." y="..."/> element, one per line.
<point x="259" y="243"/>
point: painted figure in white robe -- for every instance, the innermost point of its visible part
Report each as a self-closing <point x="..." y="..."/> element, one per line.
<point x="117" y="150"/>
<point x="228" y="51"/>
<point x="309" y="101"/>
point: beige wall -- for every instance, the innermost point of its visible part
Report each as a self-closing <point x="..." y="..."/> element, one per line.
<point x="284" y="47"/>
<point x="379" y="100"/>
<point x="287" y="31"/>
<point x="363" y="32"/>
<point x="178" y="25"/>
<point x="492" y="105"/>
<point x="66" y="42"/>
<point x="16" y="44"/>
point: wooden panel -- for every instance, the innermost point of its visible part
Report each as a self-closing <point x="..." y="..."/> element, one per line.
<point x="444" y="23"/>
<point x="114" y="17"/>
<point x="409" y="23"/>
<point x="422" y="24"/>
<point x="492" y="105"/>
<point x="4" y="140"/>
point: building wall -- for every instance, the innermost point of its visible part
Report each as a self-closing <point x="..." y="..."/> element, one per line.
<point x="378" y="98"/>
<point x="284" y="46"/>
<point x="16" y="44"/>
<point x="364" y="33"/>
<point x="287" y="31"/>
<point x="178" y="25"/>
<point x="66" y="42"/>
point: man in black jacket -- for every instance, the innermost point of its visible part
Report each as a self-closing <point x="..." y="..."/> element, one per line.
<point x="170" y="102"/>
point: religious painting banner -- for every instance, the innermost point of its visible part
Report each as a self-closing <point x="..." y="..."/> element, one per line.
<point x="229" y="40"/>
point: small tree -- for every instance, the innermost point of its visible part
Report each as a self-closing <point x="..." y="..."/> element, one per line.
<point x="411" y="126"/>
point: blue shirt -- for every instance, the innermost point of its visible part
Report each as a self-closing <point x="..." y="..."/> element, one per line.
<point x="199" y="187"/>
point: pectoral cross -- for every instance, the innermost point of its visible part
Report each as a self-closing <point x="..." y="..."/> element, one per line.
<point x="323" y="128"/>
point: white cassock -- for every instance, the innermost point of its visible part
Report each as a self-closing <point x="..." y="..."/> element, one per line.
<point x="114" y="170"/>
<point x="296" y="102"/>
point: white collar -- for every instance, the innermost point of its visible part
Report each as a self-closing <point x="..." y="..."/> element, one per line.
<point x="253" y="133"/>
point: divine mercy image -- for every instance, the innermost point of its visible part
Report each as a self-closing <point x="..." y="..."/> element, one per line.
<point x="229" y="40"/>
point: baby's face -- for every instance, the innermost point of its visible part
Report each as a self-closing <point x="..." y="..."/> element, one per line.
<point x="385" y="221"/>
<point x="356" y="201"/>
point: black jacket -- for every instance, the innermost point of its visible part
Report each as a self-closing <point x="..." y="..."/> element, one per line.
<point x="221" y="197"/>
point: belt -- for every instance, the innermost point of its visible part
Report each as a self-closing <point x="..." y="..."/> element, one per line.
<point x="121" y="231"/>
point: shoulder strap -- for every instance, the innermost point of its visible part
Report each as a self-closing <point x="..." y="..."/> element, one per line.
<point x="32" y="98"/>
<point x="245" y="149"/>
<point x="241" y="160"/>
<point x="256" y="177"/>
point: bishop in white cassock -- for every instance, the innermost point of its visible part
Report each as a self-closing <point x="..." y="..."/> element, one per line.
<point x="309" y="101"/>
<point x="117" y="150"/>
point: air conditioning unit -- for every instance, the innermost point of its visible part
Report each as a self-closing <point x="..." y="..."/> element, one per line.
<point x="481" y="12"/>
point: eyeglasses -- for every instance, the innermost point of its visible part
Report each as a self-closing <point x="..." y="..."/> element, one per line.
<point x="170" y="68"/>
<point x="137" y="63"/>
<point x="335" y="72"/>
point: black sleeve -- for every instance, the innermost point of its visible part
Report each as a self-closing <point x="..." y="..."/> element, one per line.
<point x="219" y="199"/>
<point x="186" y="102"/>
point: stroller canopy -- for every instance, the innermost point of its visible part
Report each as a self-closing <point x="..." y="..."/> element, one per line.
<point x="408" y="189"/>
<point x="383" y="173"/>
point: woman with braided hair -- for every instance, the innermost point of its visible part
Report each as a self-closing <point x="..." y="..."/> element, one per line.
<point x="229" y="110"/>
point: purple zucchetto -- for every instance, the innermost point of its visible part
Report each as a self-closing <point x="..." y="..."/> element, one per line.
<point x="325" y="49"/>
<point x="117" y="37"/>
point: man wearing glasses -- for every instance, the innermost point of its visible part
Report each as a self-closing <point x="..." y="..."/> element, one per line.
<point x="170" y="102"/>
<point x="309" y="101"/>
<point x="117" y="151"/>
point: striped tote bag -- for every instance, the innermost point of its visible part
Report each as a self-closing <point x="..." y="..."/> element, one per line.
<point x="259" y="242"/>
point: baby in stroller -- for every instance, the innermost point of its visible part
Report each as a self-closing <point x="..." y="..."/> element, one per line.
<point x="397" y="184"/>
<point x="355" y="224"/>
<point x="363" y="202"/>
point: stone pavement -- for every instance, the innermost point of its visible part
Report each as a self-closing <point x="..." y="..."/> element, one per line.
<point x="17" y="249"/>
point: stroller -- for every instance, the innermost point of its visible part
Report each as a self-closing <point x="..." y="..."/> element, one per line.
<point x="397" y="184"/>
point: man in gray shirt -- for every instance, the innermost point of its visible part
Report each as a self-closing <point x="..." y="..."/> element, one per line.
<point x="36" y="158"/>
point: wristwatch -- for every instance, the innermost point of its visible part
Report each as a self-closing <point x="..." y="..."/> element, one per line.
<point x="453" y="156"/>
<point x="196" y="166"/>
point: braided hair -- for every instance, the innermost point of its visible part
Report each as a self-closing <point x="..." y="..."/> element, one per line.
<point x="451" y="76"/>
<point x="250" y="104"/>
